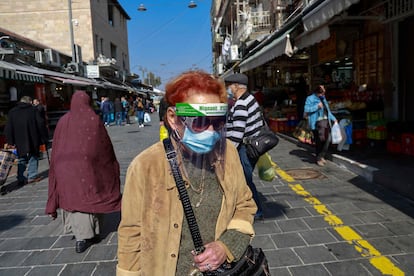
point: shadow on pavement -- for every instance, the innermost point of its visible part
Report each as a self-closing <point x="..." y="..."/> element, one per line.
<point x="385" y="194"/>
<point x="8" y="222"/>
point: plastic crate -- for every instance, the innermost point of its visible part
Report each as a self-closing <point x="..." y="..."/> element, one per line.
<point x="359" y="134"/>
<point x="279" y="124"/>
<point x="374" y="116"/>
<point x="394" y="146"/>
<point x="376" y="134"/>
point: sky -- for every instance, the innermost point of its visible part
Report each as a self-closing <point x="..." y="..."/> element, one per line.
<point x="168" y="38"/>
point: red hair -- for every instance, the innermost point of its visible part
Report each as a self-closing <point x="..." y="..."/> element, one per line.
<point x="194" y="82"/>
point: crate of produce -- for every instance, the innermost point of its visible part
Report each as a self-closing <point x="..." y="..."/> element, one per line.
<point x="359" y="134"/>
<point x="376" y="134"/>
<point x="374" y="116"/>
<point x="278" y="124"/>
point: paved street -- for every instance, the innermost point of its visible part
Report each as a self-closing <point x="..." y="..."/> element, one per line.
<point x="318" y="221"/>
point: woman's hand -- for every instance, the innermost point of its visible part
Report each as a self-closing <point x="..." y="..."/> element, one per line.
<point x="212" y="257"/>
<point x="53" y="215"/>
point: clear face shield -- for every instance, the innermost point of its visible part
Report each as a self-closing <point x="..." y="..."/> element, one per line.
<point x="202" y="142"/>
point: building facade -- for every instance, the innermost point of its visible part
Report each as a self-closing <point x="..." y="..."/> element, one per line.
<point x="99" y="28"/>
<point x="357" y="48"/>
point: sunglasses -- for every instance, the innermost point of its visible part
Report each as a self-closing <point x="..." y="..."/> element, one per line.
<point x="201" y="123"/>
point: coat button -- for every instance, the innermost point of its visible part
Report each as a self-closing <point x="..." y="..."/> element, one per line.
<point x="173" y="255"/>
<point x="175" y="225"/>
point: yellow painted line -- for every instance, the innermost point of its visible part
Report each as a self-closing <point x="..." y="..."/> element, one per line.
<point x="382" y="263"/>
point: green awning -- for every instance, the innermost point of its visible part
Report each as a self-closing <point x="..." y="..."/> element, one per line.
<point x="13" y="71"/>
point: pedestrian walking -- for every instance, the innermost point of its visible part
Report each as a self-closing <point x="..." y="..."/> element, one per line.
<point x="106" y="111"/>
<point x="319" y="114"/>
<point x="153" y="238"/>
<point x="245" y="119"/>
<point x="84" y="173"/>
<point x="26" y="131"/>
<point x="139" y="111"/>
<point x="125" y="113"/>
<point x="119" y="111"/>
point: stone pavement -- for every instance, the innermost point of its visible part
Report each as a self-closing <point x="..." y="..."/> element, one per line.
<point x="318" y="221"/>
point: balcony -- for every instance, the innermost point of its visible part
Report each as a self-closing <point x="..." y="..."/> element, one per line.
<point x="252" y="25"/>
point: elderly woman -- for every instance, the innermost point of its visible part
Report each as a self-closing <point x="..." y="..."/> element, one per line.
<point x="153" y="235"/>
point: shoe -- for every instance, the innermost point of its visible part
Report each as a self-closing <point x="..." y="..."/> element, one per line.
<point x="258" y="215"/>
<point x="320" y="163"/>
<point x="33" y="180"/>
<point x="21" y="183"/>
<point x="82" y="245"/>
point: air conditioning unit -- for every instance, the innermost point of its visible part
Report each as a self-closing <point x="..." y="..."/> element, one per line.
<point x="75" y="68"/>
<point x="40" y="57"/>
<point x="71" y="68"/>
<point x="52" y="57"/>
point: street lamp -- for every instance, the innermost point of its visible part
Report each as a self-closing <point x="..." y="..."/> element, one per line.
<point x="142" y="7"/>
<point x="192" y="4"/>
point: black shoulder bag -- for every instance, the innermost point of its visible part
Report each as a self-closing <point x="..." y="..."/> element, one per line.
<point x="253" y="262"/>
<point x="258" y="145"/>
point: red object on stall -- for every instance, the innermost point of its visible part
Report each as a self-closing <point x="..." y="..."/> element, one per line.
<point x="394" y="146"/>
<point x="407" y="144"/>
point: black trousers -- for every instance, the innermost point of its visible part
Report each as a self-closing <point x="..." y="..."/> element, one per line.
<point x="321" y="147"/>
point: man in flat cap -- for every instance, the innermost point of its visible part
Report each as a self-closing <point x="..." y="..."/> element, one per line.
<point x="244" y="120"/>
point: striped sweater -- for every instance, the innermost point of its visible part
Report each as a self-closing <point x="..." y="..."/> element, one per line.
<point x="244" y="119"/>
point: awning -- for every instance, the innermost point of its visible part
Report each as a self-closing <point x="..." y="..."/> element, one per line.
<point x="309" y="38"/>
<point x="272" y="50"/>
<point x="108" y="84"/>
<point x="16" y="72"/>
<point x="74" y="82"/>
<point x="323" y="12"/>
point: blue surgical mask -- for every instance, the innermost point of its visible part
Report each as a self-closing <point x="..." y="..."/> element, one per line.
<point x="202" y="142"/>
<point x="229" y="92"/>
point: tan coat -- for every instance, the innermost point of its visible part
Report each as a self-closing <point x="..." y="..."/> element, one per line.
<point x="150" y="229"/>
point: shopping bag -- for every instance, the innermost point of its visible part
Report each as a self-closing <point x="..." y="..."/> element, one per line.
<point x="302" y="125"/>
<point x="303" y="133"/>
<point x="266" y="167"/>
<point x="147" y="118"/>
<point x="336" y="133"/>
<point x="7" y="160"/>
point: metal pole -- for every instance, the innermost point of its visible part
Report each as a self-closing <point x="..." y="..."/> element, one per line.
<point x="72" y="39"/>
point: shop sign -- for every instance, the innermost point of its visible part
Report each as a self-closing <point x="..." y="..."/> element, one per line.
<point x="92" y="71"/>
<point x="327" y="49"/>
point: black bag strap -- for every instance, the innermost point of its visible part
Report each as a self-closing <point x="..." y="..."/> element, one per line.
<point x="185" y="200"/>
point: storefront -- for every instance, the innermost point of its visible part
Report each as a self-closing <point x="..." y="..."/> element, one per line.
<point x="14" y="84"/>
